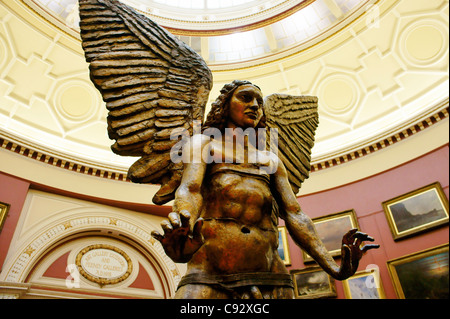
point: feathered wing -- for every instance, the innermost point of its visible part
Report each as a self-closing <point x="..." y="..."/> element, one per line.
<point x="296" y="118"/>
<point x="153" y="85"/>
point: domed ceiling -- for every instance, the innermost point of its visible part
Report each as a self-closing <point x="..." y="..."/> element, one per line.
<point x="377" y="67"/>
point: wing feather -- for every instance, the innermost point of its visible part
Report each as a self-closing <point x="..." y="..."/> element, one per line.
<point x="296" y="119"/>
<point x="153" y="85"/>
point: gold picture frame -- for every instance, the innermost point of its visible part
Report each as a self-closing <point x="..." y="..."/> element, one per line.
<point x="331" y="228"/>
<point x="421" y="275"/>
<point x="313" y="283"/>
<point x="365" y="284"/>
<point x="283" y="246"/>
<point x="4" y="209"/>
<point x="416" y="211"/>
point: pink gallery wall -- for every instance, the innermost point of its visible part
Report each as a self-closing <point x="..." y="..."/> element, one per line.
<point x="365" y="197"/>
<point x="13" y="191"/>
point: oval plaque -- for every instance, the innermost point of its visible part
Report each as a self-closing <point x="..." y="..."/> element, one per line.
<point x="104" y="264"/>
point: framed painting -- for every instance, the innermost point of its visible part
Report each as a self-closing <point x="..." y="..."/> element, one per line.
<point x="4" y="209"/>
<point x="417" y="211"/>
<point x="313" y="283"/>
<point x="364" y="284"/>
<point x="283" y="246"/>
<point x="331" y="229"/>
<point x="421" y="275"/>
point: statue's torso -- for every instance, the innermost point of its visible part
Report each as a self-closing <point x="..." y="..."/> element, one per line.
<point x="240" y="233"/>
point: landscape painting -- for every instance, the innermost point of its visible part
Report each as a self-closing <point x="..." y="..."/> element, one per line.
<point x="365" y="284"/>
<point x="331" y="229"/>
<point x="422" y="275"/>
<point x="417" y="211"/>
<point x="313" y="283"/>
<point x="283" y="246"/>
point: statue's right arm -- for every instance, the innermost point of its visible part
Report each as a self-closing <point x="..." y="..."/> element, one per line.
<point x="188" y="196"/>
<point x="182" y="236"/>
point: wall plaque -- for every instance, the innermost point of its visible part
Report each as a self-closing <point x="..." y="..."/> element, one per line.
<point x="104" y="264"/>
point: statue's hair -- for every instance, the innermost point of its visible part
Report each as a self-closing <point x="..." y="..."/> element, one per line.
<point x="218" y="115"/>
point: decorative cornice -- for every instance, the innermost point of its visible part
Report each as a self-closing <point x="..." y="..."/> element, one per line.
<point x="61" y="163"/>
<point x="416" y="128"/>
<point x="73" y="166"/>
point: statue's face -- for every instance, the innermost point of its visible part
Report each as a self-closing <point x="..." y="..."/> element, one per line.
<point x="246" y="107"/>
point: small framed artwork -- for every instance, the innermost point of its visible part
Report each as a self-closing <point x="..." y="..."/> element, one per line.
<point x="421" y="275"/>
<point x="417" y="211"/>
<point x="364" y="284"/>
<point x="331" y="229"/>
<point x="4" y="208"/>
<point x="283" y="246"/>
<point x="313" y="283"/>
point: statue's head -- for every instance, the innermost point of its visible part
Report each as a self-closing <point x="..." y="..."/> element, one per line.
<point x="219" y="114"/>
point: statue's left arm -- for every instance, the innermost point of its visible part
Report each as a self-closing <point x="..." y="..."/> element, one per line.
<point x="303" y="232"/>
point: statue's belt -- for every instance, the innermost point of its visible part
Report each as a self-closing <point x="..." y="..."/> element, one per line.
<point x="245" y="170"/>
<point x="238" y="280"/>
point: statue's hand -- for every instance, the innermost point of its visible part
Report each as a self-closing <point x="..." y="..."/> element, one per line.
<point x="351" y="252"/>
<point x="178" y="241"/>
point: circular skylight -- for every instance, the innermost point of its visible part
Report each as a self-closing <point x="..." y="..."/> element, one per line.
<point x="220" y="16"/>
<point x="231" y="32"/>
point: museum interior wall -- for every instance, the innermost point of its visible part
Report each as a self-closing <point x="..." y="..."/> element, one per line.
<point x="383" y="135"/>
<point x="47" y="227"/>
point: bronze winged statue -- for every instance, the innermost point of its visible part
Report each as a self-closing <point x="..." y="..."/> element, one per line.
<point x="228" y="191"/>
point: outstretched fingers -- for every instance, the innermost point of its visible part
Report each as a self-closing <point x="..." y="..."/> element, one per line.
<point x="363" y="236"/>
<point x="174" y="220"/>
<point x="178" y="222"/>
<point x="355" y="238"/>
<point x="349" y="238"/>
<point x="352" y="251"/>
<point x="369" y="246"/>
<point x="185" y="217"/>
<point x="166" y="226"/>
<point x="178" y="241"/>
<point x="157" y="235"/>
